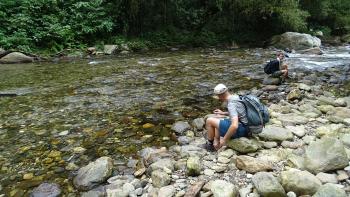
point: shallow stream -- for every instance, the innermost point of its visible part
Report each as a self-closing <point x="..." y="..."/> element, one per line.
<point x="77" y="111"/>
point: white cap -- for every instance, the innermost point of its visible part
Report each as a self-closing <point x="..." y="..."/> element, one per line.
<point x="220" y="88"/>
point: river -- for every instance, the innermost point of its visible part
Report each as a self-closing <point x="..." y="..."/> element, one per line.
<point x="78" y="110"/>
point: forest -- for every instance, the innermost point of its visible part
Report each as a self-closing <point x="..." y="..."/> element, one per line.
<point x="53" y="25"/>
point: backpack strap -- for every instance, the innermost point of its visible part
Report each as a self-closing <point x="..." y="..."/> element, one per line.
<point x="245" y="107"/>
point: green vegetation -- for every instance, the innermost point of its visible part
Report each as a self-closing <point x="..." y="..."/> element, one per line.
<point x="29" y="25"/>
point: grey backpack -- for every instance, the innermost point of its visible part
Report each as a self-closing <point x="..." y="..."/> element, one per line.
<point x="257" y="113"/>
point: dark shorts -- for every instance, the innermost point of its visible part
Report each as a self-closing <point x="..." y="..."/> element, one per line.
<point x="226" y="123"/>
<point x="277" y="74"/>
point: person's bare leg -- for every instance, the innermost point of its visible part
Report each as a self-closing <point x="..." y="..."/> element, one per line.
<point x="217" y="137"/>
<point x="285" y="71"/>
<point x="212" y="126"/>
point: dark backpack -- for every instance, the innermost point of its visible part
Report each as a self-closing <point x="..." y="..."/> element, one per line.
<point x="257" y="113"/>
<point x="269" y="68"/>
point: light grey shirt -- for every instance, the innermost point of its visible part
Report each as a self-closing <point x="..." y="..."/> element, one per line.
<point x="236" y="108"/>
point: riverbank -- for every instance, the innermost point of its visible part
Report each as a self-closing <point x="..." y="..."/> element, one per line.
<point x="312" y="112"/>
<point x="123" y="46"/>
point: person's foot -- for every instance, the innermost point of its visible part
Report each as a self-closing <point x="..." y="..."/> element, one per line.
<point x="209" y="147"/>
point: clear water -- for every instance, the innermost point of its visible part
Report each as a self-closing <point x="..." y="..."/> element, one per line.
<point x="101" y="105"/>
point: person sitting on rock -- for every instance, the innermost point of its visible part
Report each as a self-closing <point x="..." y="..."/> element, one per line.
<point x="276" y="68"/>
<point x="227" y="125"/>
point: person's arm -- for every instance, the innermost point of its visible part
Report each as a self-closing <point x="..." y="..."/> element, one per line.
<point x="219" y="112"/>
<point x="232" y="129"/>
<point x="230" y="132"/>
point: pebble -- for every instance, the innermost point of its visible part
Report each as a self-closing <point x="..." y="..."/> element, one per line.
<point x="223" y="160"/>
<point x="180" y="193"/>
<point x="72" y="167"/>
<point x="209" y="172"/>
<point x="63" y="133"/>
<point x="79" y="150"/>
<point x="218" y="168"/>
<point x="139" y="191"/>
<point x="54" y="154"/>
<point x="140" y="172"/>
<point x="342" y="175"/>
<point x="28" y="176"/>
<point x="228" y="153"/>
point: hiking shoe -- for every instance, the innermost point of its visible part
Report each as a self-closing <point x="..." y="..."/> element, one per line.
<point x="208" y="147"/>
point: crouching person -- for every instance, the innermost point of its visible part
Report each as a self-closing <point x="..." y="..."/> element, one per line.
<point x="277" y="68"/>
<point x="226" y="125"/>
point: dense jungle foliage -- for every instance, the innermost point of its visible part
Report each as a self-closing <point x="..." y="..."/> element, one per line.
<point x="57" y="24"/>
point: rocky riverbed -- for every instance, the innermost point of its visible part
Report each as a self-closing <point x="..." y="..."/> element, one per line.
<point x="304" y="150"/>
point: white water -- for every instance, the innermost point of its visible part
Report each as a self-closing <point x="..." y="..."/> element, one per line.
<point x="335" y="56"/>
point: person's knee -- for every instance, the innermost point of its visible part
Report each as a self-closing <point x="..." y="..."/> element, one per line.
<point x="210" y="121"/>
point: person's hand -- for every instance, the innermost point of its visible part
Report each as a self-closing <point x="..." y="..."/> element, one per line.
<point x="221" y="144"/>
<point x="218" y="111"/>
<point x="216" y="145"/>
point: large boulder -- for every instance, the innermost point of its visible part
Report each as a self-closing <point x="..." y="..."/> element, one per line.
<point x="251" y="164"/>
<point x="300" y="182"/>
<point x="292" y="119"/>
<point x="294" y="40"/>
<point x="268" y="185"/>
<point x="325" y="154"/>
<point x="243" y="145"/>
<point x="312" y="51"/>
<point x="16" y="57"/>
<point x="221" y="188"/>
<point x="330" y="190"/>
<point x="94" y="173"/>
<point x="273" y="133"/>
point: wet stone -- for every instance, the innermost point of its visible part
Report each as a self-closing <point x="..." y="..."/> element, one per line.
<point x="327" y="178"/>
<point x="342" y="175"/>
<point x="28" y="176"/>
<point x="46" y="190"/>
<point x="198" y="123"/>
<point x="180" y="127"/>
<point x="140" y="172"/>
<point x="228" y="153"/>
<point x="72" y="167"/>
<point x="223" y="160"/>
<point x="218" y="168"/>
<point x="94" y="173"/>
<point x="160" y="178"/>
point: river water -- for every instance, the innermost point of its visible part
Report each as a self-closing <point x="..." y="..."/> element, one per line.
<point x="76" y="111"/>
